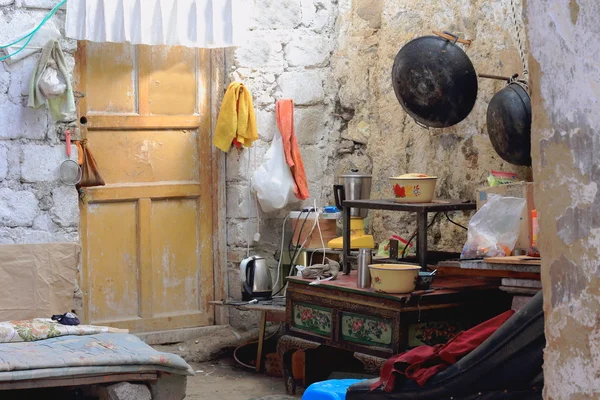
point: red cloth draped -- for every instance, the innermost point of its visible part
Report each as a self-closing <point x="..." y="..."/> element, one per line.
<point x="422" y="363"/>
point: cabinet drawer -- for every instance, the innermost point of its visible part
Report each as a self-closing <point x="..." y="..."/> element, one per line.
<point x="366" y="330"/>
<point x="313" y="319"/>
<point x="433" y="333"/>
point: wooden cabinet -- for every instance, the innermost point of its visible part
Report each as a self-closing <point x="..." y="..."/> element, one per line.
<point x="376" y="326"/>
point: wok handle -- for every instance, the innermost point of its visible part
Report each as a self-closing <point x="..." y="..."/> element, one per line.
<point x="509" y="80"/>
<point x="497" y="77"/>
<point x="453" y="38"/>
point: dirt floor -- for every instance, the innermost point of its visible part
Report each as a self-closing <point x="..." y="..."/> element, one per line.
<point x="215" y="380"/>
<point x="224" y="379"/>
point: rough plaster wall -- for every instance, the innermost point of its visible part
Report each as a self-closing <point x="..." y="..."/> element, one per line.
<point x="382" y="138"/>
<point x="287" y="56"/>
<point x="34" y="206"/>
<point x="566" y="87"/>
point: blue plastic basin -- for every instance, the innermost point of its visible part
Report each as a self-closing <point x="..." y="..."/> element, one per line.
<point x="329" y="390"/>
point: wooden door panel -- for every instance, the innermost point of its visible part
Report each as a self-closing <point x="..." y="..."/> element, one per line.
<point x="149" y="156"/>
<point x="147" y="235"/>
<point x="113" y="87"/>
<point x="175" y="256"/>
<point x="112" y="258"/>
<point x="173" y="81"/>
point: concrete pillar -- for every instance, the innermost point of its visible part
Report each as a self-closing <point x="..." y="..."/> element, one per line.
<point x="565" y="54"/>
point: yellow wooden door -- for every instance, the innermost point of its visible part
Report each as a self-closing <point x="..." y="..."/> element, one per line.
<point x="147" y="235"/>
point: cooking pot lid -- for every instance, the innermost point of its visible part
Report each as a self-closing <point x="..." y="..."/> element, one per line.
<point x="354" y="173"/>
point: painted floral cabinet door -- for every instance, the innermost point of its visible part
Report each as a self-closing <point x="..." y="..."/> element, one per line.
<point x="367" y="330"/>
<point x="313" y="319"/>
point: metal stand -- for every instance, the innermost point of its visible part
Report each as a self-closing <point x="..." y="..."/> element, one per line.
<point x="422" y="239"/>
<point x="346" y="239"/>
<point x="421" y="209"/>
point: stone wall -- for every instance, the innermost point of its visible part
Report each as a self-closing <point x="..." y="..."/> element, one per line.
<point x="288" y="55"/>
<point x="382" y="138"/>
<point x="334" y="58"/>
<point x="34" y="206"/>
<point x="565" y="144"/>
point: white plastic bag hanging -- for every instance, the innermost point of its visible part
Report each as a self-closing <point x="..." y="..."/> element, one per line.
<point x="495" y="228"/>
<point x="273" y="180"/>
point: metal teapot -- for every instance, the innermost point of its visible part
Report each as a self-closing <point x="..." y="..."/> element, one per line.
<point x="256" y="279"/>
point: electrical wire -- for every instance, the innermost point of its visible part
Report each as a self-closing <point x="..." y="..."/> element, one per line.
<point x="30" y="35"/>
<point x="429" y="226"/>
<point x="415" y="234"/>
<point x="298" y="247"/>
<point x="290" y="248"/>
<point x="252" y="342"/>
<point x="320" y="233"/>
<point x="320" y="236"/>
<point x="255" y="196"/>
<point x="248" y="239"/>
<point x="291" y="241"/>
<point x="281" y="249"/>
<point x="455" y="223"/>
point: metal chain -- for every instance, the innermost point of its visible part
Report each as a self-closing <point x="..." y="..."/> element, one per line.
<point x="520" y="44"/>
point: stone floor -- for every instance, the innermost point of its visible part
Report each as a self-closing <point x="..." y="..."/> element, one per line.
<point x="224" y="379"/>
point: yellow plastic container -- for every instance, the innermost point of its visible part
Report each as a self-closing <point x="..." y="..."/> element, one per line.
<point x="394" y="278"/>
<point x="414" y="188"/>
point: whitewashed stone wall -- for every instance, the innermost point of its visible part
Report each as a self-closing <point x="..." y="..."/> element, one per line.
<point x="287" y="56"/>
<point x="34" y="206"/>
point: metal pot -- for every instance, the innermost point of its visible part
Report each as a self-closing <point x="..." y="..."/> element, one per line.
<point x="353" y="186"/>
<point x="256" y="279"/>
<point x="435" y="81"/>
<point x="509" y="124"/>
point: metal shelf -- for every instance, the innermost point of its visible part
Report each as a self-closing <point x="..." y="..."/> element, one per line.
<point x="421" y="209"/>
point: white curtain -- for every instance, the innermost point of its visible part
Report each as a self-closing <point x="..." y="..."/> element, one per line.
<point x="191" y="23"/>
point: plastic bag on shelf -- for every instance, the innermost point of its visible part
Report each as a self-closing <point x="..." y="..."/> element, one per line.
<point x="495" y="228"/>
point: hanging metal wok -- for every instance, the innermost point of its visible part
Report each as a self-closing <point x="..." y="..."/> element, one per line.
<point x="435" y="81"/>
<point x="509" y="122"/>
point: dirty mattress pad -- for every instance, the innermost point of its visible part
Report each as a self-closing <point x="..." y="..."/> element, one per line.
<point x="101" y="354"/>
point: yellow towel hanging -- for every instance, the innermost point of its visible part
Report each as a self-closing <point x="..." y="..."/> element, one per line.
<point x="237" y="121"/>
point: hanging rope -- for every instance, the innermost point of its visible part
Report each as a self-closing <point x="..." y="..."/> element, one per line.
<point x="30" y="35"/>
<point x="520" y="37"/>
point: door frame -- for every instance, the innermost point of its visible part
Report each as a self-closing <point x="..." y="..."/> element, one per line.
<point x="214" y="81"/>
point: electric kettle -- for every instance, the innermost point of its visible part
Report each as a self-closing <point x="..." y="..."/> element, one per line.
<point x="256" y="279"/>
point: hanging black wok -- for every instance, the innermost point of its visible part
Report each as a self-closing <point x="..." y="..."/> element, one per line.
<point x="435" y="81"/>
<point x="509" y="124"/>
